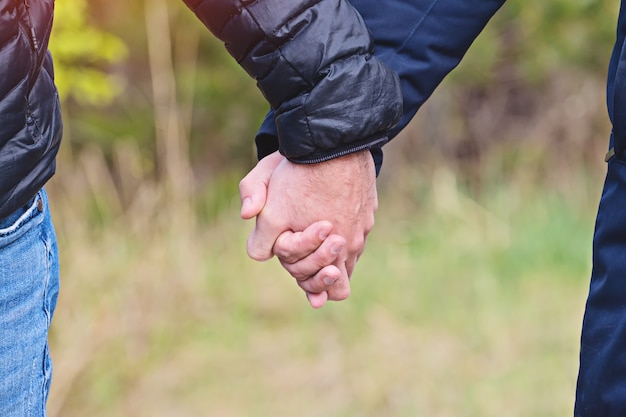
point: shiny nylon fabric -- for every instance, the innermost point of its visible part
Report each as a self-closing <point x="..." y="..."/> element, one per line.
<point x="422" y="40"/>
<point x="30" y="117"/>
<point x="312" y="61"/>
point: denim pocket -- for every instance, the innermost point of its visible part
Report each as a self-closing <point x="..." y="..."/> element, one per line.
<point x="25" y="218"/>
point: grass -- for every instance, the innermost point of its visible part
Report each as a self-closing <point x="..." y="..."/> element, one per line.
<point x="459" y="308"/>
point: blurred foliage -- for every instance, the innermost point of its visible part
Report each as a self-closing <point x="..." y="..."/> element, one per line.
<point x="82" y="55"/>
<point x="225" y="106"/>
<point x="540" y="38"/>
<point x="528" y="97"/>
<point x="526" y="57"/>
<point x="469" y="308"/>
<point x="459" y="308"/>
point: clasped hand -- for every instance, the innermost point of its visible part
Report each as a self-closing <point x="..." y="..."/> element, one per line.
<point x="314" y="218"/>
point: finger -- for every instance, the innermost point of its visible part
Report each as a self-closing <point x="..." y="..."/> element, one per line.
<point x="253" y="187"/>
<point x="341" y="289"/>
<point x="354" y="253"/>
<point x="327" y="254"/>
<point x="317" y="300"/>
<point x="324" y="280"/>
<point x="350" y="264"/>
<point x="291" y="247"/>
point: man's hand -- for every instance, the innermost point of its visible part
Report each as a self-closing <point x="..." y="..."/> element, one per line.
<point x="301" y="253"/>
<point x="292" y="201"/>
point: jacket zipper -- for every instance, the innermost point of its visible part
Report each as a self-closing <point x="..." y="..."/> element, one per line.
<point x="27" y="23"/>
<point x="33" y="35"/>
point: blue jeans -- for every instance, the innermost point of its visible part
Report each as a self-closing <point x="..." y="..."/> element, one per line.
<point x="29" y="285"/>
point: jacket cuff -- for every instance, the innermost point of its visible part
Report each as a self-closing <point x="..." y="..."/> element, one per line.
<point x="352" y="147"/>
<point x="267" y="137"/>
<point x="352" y="108"/>
<point x="267" y="143"/>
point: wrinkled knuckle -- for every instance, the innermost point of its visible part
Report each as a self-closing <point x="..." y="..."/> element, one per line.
<point x="323" y="257"/>
<point x="299" y="275"/>
<point x="282" y="254"/>
<point x="285" y="256"/>
<point x="286" y="259"/>
<point x="282" y="251"/>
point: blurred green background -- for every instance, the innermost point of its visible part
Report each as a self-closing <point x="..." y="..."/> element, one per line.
<point x="467" y="302"/>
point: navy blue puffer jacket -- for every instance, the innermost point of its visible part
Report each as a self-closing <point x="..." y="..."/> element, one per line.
<point x="30" y="117"/>
<point x="313" y="60"/>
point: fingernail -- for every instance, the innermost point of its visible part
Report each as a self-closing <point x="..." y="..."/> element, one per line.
<point x="329" y="280"/>
<point x="336" y="249"/>
<point x="323" y="234"/>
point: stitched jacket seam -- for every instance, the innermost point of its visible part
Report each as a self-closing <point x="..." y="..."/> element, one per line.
<point x="417" y="26"/>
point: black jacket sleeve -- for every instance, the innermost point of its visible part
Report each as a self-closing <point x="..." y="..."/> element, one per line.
<point x="312" y="60"/>
<point x="422" y="40"/>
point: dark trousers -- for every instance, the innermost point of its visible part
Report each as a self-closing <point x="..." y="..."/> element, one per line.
<point x="601" y="389"/>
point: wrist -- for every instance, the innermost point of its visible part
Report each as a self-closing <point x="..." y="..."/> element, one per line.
<point x="340" y="173"/>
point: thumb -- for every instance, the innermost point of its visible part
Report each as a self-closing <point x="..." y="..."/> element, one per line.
<point x="253" y="187"/>
<point x="262" y="238"/>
